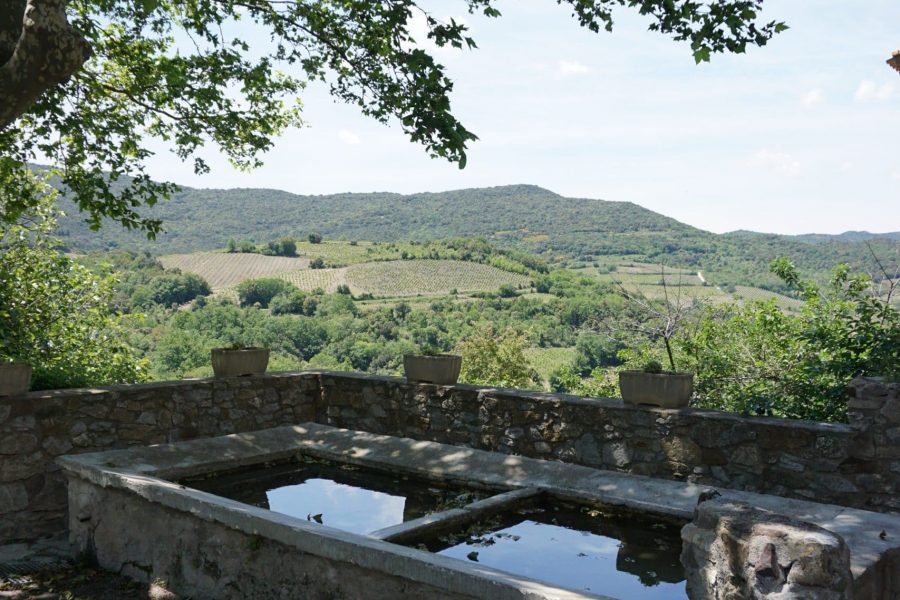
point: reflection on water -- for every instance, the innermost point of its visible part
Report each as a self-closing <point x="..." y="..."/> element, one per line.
<point x="340" y="496"/>
<point x="578" y="548"/>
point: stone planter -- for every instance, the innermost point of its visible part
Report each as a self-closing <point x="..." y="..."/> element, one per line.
<point x="15" y="378"/>
<point x="230" y="362"/>
<point x="668" y="390"/>
<point x="442" y="369"/>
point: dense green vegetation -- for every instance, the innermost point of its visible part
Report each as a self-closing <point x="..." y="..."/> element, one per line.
<point x="56" y="314"/>
<point x="521" y="217"/>
<point x="543" y="330"/>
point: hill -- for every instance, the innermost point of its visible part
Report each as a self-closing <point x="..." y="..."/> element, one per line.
<point x="565" y="230"/>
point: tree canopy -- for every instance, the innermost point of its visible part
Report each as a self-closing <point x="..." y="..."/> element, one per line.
<point x="84" y="84"/>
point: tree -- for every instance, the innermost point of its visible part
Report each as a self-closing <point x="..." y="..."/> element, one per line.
<point x="489" y="358"/>
<point x="315" y="238"/>
<point x="87" y="82"/>
<point x="55" y="313"/>
<point x="758" y="359"/>
<point x="262" y="291"/>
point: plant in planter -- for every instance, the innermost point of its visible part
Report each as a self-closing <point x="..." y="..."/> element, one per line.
<point x="432" y="367"/>
<point x="658" y="321"/>
<point x="238" y="361"/>
<point x="652" y="385"/>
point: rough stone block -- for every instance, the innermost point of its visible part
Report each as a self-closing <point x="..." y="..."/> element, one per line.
<point x="18" y="443"/>
<point x="736" y="552"/>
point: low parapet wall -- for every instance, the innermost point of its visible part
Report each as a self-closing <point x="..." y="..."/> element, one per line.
<point x="853" y="465"/>
<point x="38" y="427"/>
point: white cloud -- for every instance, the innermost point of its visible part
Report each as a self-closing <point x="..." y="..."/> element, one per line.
<point x="813" y="97"/>
<point x="780" y="162"/>
<point x="896" y="175"/>
<point x="571" y="67"/>
<point x="348" y="137"/>
<point x="869" y="91"/>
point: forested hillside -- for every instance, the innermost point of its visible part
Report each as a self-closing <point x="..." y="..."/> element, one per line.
<point x="565" y="230"/>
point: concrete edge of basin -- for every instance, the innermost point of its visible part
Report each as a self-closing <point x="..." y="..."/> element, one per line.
<point x="456" y="465"/>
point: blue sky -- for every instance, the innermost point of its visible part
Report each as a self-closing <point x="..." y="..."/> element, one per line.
<point x="799" y="136"/>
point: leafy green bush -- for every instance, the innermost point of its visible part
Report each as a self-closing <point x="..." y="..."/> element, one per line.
<point x="174" y="288"/>
<point x="283" y="247"/>
<point x="759" y="360"/>
<point x="601" y="383"/>
<point x="55" y="313"/>
<point x="262" y="291"/>
<point x="293" y="302"/>
<point x="489" y="358"/>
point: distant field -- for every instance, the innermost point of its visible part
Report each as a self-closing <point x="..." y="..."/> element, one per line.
<point x="429" y="277"/>
<point x="223" y="271"/>
<point x="547" y="360"/>
<point x="646" y="279"/>
<point x="751" y="293"/>
<point x="341" y="253"/>
<point x="311" y="279"/>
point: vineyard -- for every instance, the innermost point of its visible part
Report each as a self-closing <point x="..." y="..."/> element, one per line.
<point x="311" y="279"/>
<point x="428" y="277"/>
<point x="223" y="271"/>
<point x="341" y="253"/>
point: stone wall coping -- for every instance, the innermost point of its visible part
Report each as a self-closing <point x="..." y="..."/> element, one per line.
<point x="528" y="395"/>
<point x="615" y="403"/>
<point x="139" y="468"/>
<point x="149" y="387"/>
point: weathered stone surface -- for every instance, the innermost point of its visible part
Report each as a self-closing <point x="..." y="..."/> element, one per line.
<point x="18" y="443"/>
<point x="733" y="551"/>
<point x="13" y="497"/>
<point x="853" y="466"/>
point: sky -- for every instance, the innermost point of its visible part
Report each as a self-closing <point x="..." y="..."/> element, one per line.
<point x="799" y="136"/>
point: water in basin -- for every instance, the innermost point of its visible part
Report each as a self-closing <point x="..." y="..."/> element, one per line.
<point x="342" y="496"/>
<point x="577" y="547"/>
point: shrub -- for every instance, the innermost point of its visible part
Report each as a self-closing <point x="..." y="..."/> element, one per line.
<point x="491" y="359"/>
<point x="55" y="313"/>
<point x="262" y="291"/>
<point x="293" y="302"/>
<point x="758" y="360"/>
<point x="507" y="290"/>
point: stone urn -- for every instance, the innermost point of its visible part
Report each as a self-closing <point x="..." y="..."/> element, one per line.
<point x="237" y="362"/>
<point x="442" y="369"/>
<point x="15" y="378"/>
<point x="667" y="390"/>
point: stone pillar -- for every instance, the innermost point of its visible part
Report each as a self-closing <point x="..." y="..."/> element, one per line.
<point x="732" y="551"/>
<point x="874" y="409"/>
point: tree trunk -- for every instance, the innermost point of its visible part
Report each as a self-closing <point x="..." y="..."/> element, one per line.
<point x="39" y="49"/>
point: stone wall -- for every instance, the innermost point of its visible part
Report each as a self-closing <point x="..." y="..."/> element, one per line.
<point x="855" y="465"/>
<point x="38" y="427"/>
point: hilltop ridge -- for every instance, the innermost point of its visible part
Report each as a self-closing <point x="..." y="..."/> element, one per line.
<point x="527" y="217"/>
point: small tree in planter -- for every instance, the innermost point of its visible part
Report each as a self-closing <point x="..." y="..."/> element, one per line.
<point x="658" y="321"/>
